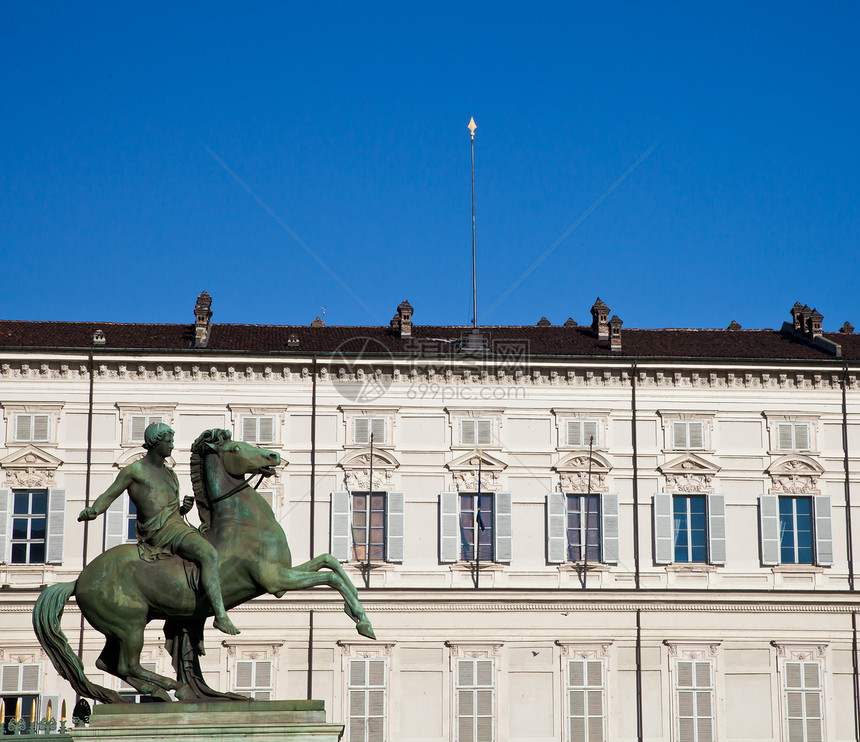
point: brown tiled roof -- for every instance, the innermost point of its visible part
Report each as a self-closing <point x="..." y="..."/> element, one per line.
<point x="538" y="341"/>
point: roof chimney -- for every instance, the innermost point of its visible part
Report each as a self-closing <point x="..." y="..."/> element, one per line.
<point x="813" y="323"/>
<point x="795" y="316"/>
<point x="600" y="319"/>
<point x="202" y="318"/>
<point x="734" y="325"/>
<point x="317" y="323"/>
<point x="847" y="328"/>
<point x="404" y="319"/>
<point x="807" y="324"/>
<point x="615" y="334"/>
<point x="570" y="322"/>
<point x="544" y="322"/>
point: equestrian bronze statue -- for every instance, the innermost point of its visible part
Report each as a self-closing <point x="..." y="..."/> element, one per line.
<point x="244" y="554"/>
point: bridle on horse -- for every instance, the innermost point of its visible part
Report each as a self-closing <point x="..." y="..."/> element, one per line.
<point x="238" y="488"/>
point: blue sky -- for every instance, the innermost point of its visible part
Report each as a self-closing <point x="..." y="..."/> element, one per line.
<point x="348" y="121"/>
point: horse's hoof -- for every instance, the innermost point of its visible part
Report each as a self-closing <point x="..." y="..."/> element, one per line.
<point x="365" y="629"/>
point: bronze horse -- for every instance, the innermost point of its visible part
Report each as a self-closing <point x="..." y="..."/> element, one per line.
<point x="119" y="594"/>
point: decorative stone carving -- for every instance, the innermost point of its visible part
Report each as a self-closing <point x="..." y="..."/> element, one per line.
<point x="692" y="650"/>
<point x="464" y="472"/>
<point x="799" y="651"/>
<point x="795" y="475"/>
<point x="689" y="473"/>
<point x="30" y="467"/>
<point x="583" y="651"/>
<point x="574" y="473"/>
<point x="357" y="470"/>
<point x="475" y="651"/>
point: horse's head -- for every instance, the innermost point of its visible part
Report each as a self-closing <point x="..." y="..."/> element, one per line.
<point x="237" y="457"/>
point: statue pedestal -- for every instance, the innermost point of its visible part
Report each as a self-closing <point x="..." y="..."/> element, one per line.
<point x="215" y="721"/>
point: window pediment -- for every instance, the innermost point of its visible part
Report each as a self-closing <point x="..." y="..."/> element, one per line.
<point x="689" y="473"/>
<point x="30" y="466"/>
<point x="795" y="475"/>
<point x="580" y="472"/>
<point x="356" y="468"/>
<point x="464" y="470"/>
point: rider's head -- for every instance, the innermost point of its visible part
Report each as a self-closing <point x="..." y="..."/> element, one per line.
<point x="155" y="433"/>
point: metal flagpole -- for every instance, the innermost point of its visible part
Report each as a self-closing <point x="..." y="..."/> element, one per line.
<point x="367" y="521"/>
<point x="479" y="524"/>
<point x="472" y="127"/>
<point x="587" y="513"/>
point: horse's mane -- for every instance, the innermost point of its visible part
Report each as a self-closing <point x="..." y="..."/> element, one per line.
<point x="199" y="450"/>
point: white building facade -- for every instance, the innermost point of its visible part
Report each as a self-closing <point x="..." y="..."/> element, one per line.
<point x="664" y="543"/>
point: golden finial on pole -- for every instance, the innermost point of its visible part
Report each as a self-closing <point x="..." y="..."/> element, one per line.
<point x="18" y="709"/>
<point x="472" y="126"/>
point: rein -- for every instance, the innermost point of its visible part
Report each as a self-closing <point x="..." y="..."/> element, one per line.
<point x="238" y="488"/>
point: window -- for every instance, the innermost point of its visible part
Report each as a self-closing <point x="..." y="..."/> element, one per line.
<point x="366" y="692"/>
<point x="796" y="530"/>
<point x="804" y="715"/>
<point x="138" y="425"/>
<point x="580" y="433"/>
<point x="476" y="432"/>
<point x="362" y="518"/>
<point x="465" y="514"/>
<point x="694" y="697"/>
<point x="31" y="526"/>
<point x="689" y="529"/>
<point x="254" y="678"/>
<point x="580" y="526"/>
<point x="32" y="428"/>
<point x="20" y="681"/>
<point x="120" y="522"/>
<point x="362" y="427"/>
<point x="688" y="435"/>
<point x="475" y="694"/>
<point x="792" y="436"/>
<point x="585" y="701"/>
<point x="258" y="428"/>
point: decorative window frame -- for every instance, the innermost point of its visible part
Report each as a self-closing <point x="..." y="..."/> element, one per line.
<point x="795" y="474"/>
<point x="356" y="470"/>
<point x="801" y="652"/>
<point x="477" y="651"/>
<point x="464" y="472"/>
<point x="52" y="409"/>
<point x="30" y="468"/>
<point x="279" y="412"/>
<point x="771" y="422"/>
<point x="573" y="473"/>
<point x="456" y="414"/>
<point x="241" y="650"/>
<point x="695" y="651"/>
<point x="706" y="417"/>
<point x="689" y="474"/>
<point x="584" y="651"/>
<point x="126" y="411"/>
<point x="351" y="412"/>
<point x="563" y="415"/>
<point x="366" y="651"/>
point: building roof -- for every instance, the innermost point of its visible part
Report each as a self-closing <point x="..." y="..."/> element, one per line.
<point x="546" y="341"/>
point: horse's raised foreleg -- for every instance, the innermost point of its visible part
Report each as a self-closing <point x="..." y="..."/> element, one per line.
<point x="327" y="561"/>
<point x="278" y="580"/>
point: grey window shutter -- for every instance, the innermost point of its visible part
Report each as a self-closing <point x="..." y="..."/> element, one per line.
<point x="697" y="435"/>
<point x="377" y="427"/>
<point x="679" y="434"/>
<point x="41" y="424"/>
<point x="56" y="526"/>
<point x="449" y="527"/>
<point x="823" y="531"/>
<point x="801" y="436"/>
<point x="394" y="515"/>
<point x="116" y="518"/>
<point x="138" y="427"/>
<point x="717" y="529"/>
<point x="467" y="432"/>
<point x="503" y="531"/>
<point x="664" y="541"/>
<point x="340" y="523"/>
<point x="5" y="524"/>
<point x="267" y="430"/>
<point x="23" y="427"/>
<point x="769" y="522"/>
<point x="609" y="529"/>
<point x="574" y="433"/>
<point x="556" y="527"/>
<point x="485" y="432"/>
<point x="784" y="438"/>
<point x="589" y="431"/>
<point x="249" y="429"/>
<point x="361" y="430"/>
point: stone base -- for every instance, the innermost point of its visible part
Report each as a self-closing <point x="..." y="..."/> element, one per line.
<point x="221" y="721"/>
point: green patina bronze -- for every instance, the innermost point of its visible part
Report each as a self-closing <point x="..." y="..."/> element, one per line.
<point x="239" y="552"/>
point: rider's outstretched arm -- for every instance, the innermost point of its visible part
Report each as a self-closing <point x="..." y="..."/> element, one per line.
<point x="103" y="501"/>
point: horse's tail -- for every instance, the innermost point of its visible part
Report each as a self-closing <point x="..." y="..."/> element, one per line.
<point x="46" y="621"/>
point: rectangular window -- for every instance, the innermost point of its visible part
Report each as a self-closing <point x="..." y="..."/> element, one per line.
<point x="366" y="692"/>
<point x="792" y="436"/>
<point x="581" y="432"/>
<point x="258" y="428"/>
<point x="476" y="516"/>
<point x="694" y="695"/>
<point x="131" y="522"/>
<point x="585" y="701"/>
<point x="362" y="520"/>
<point x="795" y="530"/>
<point x="476" y="432"/>
<point x="368" y="525"/>
<point x="688" y="435"/>
<point x="32" y="428"/>
<point x="362" y="427"/>
<point x="29" y="526"/>
<point x="804" y="715"/>
<point x="20" y="681"/>
<point x="475" y="700"/>
<point x="254" y="678"/>
<point x="138" y="425"/>
<point x="583" y="527"/>
<point x="690" y="528"/>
